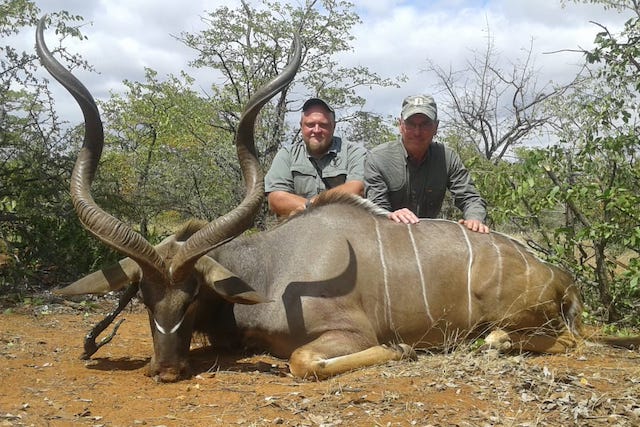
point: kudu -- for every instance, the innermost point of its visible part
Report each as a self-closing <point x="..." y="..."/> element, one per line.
<point x="334" y="288"/>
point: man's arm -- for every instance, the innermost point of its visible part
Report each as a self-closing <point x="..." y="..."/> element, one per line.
<point x="283" y="203"/>
<point x="466" y="196"/>
<point x="279" y="187"/>
<point x="375" y="186"/>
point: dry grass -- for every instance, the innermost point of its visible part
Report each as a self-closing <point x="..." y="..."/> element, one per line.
<point x="463" y="386"/>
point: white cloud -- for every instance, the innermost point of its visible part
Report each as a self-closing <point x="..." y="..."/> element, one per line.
<point x="404" y="37"/>
<point x="396" y="37"/>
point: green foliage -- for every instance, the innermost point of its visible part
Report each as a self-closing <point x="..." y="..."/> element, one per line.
<point x="605" y="154"/>
<point x="582" y="194"/>
<point x="583" y="206"/>
<point x="619" y="5"/>
<point x="41" y="244"/>
<point x="249" y="45"/>
<point x="371" y="129"/>
<point x="170" y="154"/>
<point x="163" y="155"/>
<point x="170" y="149"/>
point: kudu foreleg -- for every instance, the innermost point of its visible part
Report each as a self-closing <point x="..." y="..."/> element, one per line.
<point x="90" y="345"/>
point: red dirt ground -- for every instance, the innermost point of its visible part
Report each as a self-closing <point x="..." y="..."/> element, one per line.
<point x="44" y="383"/>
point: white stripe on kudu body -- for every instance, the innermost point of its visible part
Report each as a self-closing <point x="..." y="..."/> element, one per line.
<point x="524" y="254"/>
<point x="549" y="282"/>
<point x="526" y="263"/>
<point x="385" y="275"/>
<point x="546" y="285"/>
<point x="469" y="265"/>
<point x="499" y="282"/>
<point x="423" y="283"/>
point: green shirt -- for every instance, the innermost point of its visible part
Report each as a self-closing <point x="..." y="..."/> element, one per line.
<point x="392" y="182"/>
<point x="293" y="170"/>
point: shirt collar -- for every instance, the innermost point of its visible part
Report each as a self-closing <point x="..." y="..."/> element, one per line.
<point x="406" y="155"/>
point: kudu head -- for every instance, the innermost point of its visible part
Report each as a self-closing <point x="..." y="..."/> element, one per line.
<point x="171" y="274"/>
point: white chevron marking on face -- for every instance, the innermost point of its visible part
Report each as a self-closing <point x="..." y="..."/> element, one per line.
<point x="173" y="330"/>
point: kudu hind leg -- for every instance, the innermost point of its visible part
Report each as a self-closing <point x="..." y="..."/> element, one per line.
<point x="537" y="342"/>
<point x="337" y="352"/>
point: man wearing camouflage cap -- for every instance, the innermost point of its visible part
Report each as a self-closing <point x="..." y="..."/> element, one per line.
<point x="410" y="176"/>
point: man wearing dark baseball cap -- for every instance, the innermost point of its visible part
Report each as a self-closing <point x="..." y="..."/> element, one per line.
<point x="317" y="101"/>
<point x="320" y="162"/>
<point x="410" y="176"/>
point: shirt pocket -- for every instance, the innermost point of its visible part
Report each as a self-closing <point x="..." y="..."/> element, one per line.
<point x="334" y="181"/>
<point x="432" y="201"/>
<point x="305" y="184"/>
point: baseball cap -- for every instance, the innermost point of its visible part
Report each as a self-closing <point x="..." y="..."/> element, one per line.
<point x="317" y="101"/>
<point x="419" y="104"/>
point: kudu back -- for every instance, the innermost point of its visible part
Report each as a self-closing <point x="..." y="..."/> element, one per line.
<point x="334" y="288"/>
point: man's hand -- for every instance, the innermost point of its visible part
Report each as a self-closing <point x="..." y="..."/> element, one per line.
<point x="404" y="216"/>
<point x="474" y="225"/>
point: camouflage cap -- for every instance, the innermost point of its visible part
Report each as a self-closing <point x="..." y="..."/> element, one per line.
<point x="419" y="104"/>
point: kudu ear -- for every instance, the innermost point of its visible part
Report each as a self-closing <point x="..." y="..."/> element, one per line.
<point x="226" y="284"/>
<point x="108" y="279"/>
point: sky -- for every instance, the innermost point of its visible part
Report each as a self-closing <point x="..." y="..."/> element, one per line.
<point x="395" y="37"/>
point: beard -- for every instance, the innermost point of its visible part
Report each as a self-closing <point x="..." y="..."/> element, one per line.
<point x="318" y="146"/>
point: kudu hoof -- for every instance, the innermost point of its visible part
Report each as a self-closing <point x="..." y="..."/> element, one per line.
<point x="405" y="351"/>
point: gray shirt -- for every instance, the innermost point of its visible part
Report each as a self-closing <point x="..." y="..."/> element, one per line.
<point x="293" y="170"/>
<point x="392" y="182"/>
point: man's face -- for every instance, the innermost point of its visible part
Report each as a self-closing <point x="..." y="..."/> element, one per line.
<point x="418" y="130"/>
<point x="317" y="127"/>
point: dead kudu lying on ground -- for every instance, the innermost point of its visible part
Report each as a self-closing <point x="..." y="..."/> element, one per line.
<point x="332" y="289"/>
